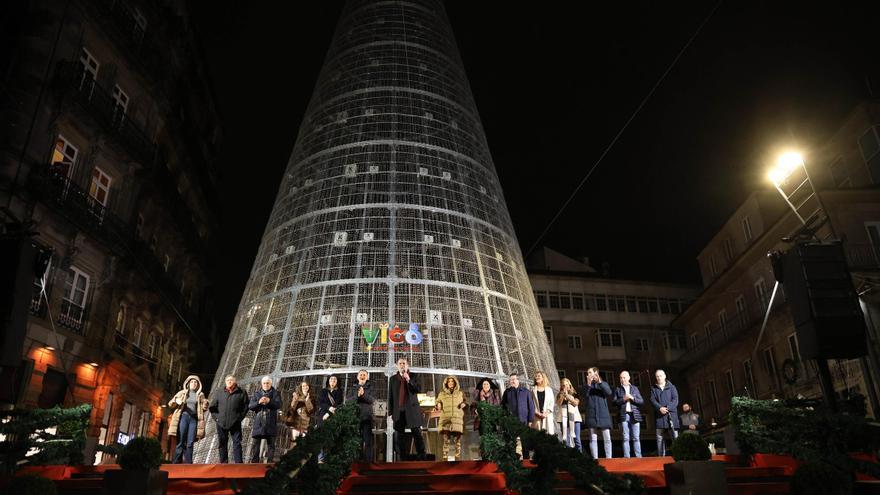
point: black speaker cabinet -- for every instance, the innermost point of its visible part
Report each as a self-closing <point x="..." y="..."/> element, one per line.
<point x="16" y="282"/>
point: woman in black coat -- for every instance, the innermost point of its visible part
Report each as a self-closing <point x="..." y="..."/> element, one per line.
<point x="329" y="399"/>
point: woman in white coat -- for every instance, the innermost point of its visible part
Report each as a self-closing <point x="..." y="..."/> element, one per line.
<point x="545" y="404"/>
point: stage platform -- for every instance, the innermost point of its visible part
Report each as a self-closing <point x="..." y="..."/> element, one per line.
<point x="760" y="474"/>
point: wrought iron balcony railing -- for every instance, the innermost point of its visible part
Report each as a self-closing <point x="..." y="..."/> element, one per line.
<point x="72" y="316"/>
<point x="76" y="84"/>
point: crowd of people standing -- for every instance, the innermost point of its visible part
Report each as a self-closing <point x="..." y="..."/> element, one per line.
<point x="563" y="412"/>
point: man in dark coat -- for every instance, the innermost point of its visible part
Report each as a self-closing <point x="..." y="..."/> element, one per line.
<point x="360" y="392"/>
<point x="518" y="399"/>
<point x="265" y="403"/>
<point x="404" y="409"/>
<point x="229" y="406"/>
<point x="629" y="401"/>
<point x="595" y="394"/>
<point x="664" y="398"/>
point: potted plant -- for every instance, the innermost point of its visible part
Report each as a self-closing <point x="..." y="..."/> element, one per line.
<point x="817" y="478"/>
<point x="140" y="475"/>
<point x="31" y="484"/>
<point x="694" y="471"/>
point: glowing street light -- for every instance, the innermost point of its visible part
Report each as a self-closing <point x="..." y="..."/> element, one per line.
<point x="786" y="164"/>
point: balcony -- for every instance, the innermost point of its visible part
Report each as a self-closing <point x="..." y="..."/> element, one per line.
<point x="89" y="216"/>
<point x="77" y="85"/>
<point x="737" y="325"/>
<point x="862" y="257"/>
<point x="72" y="316"/>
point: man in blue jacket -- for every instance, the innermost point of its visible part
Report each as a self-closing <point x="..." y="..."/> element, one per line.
<point x="629" y="401"/>
<point x="596" y="393"/>
<point x="265" y="404"/>
<point x="518" y="400"/>
<point x="664" y="398"/>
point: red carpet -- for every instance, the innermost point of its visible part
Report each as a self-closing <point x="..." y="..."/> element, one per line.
<point x="763" y="474"/>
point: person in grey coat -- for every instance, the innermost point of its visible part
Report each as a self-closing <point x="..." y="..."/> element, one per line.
<point x="265" y="403"/>
<point x="664" y="398"/>
<point x="597" y="418"/>
<point x="690" y="421"/>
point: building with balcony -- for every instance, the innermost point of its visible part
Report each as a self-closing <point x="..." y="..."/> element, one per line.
<point x="725" y="356"/>
<point x="107" y="154"/>
<point x="592" y="319"/>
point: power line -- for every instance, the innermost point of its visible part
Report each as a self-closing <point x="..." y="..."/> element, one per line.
<point x="622" y="129"/>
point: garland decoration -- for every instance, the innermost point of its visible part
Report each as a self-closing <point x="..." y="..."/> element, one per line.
<point x="498" y="433"/>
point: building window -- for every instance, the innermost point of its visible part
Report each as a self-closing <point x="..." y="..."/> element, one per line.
<point x="565" y="300"/>
<point x="99" y="189"/>
<point x="607" y="377"/>
<point x="713" y="266"/>
<point x="577" y="301"/>
<point x="869" y="144"/>
<point x="794" y="349"/>
<point x="561" y="373"/>
<point x="146" y="420"/>
<point x="714" y="393"/>
<point x="840" y="173"/>
<point x="601" y="304"/>
<point x="541" y="299"/>
<point x="722" y="322"/>
<point x="652" y="305"/>
<point x="750" y="378"/>
<point x="74" y="302"/>
<point x="139" y="226"/>
<point x="581" y="377"/>
<point x="761" y="293"/>
<point x="120" y="105"/>
<point x="140" y="24"/>
<point x="167" y="263"/>
<point x="617" y="303"/>
<point x="741" y="312"/>
<point x="574" y="342"/>
<point x="731" y="384"/>
<point x="770" y="363"/>
<point x="707" y="329"/>
<point x="674" y="340"/>
<point x="642" y="303"/>
<point x="554" y="300"/>
<point x="641" y="344"/>
<point x="120" y="319"/>
<point x="90" y="66"/>
<point x="548" y="332"/>
<point x="631" y="304"/>
<point x="138" y="332"/>
<point x="747" y="229"/>
<point x="728" y="249"/>
<point x="610" y="338"/>
<point x="700" y="399"/>
<point x="63" y="156"/>
<point x="664" y="306"/>
<point x="635" y="378"/>
<point x="151" y="345"/>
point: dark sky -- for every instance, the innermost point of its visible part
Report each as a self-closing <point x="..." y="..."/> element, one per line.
<point x="554" y="82"/>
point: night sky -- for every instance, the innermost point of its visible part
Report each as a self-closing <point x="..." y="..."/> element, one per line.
<point x="554" y="82"/>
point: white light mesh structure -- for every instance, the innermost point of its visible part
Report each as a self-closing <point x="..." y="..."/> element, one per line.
<point x="390" y="212"/>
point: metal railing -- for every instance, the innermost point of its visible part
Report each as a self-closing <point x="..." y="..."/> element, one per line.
<point x="75" y="83"/>
<point x="72" y="316"/>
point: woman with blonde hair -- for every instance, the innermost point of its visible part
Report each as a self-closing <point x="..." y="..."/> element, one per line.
<point x="299" y="413"/>
<point x="568" y="417"/>
<point x="545" y="404"/>
<point x="451" y="404"/>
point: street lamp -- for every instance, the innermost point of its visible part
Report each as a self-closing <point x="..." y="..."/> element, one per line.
<point x="786" y="164"/>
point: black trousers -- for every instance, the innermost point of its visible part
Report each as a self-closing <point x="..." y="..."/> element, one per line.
<point x="400" y="427"/>
<point x="255" y="449"/>
<point x="367" y="436"/>
<point x="223" y="439"/>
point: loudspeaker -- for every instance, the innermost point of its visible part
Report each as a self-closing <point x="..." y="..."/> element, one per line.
<point x="16" y="279"/>
<point x="824" y="304"/>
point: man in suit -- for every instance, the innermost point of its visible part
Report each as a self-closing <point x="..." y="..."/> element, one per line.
<point x="403" y="408"/>
<point x="629" y="401"/>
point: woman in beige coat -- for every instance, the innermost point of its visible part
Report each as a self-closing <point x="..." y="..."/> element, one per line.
<point x="451" y="404"/>
<point x="188" y="420"/>
<point x="299" y="413"/>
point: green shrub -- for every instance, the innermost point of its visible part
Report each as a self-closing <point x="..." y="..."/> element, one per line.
<point x="818" y="478"/>
<point x="31" y="484"/>
<point x="690" y="447"/>
<point x="141" y="453"/>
